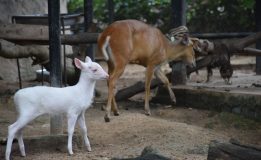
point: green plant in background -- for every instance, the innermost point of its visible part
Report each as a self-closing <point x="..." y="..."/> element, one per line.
<point x="221" y="15"/>
<point x="202" y="15"/>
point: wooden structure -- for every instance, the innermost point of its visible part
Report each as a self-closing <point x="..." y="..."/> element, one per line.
<point x="233" y="150"/>
<point x="38" y="34"/>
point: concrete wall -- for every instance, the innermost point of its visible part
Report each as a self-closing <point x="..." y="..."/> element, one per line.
<point x="9" y="8"/>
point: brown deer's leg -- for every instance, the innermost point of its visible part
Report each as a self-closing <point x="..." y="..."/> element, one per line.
<point x="111" y="103"/>
<point x="114" y="107"/>
<point x="149" y="74"/>
<point x="160" y="75"/>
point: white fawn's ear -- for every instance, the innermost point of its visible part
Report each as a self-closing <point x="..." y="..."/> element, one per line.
<point x="78" y="63"/>
<point x="88" y="59"/>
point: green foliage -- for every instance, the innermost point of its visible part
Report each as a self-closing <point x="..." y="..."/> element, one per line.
<point x="221" y="15"/>
<point x="75" y="5"/>
<point x="202" y="15"/>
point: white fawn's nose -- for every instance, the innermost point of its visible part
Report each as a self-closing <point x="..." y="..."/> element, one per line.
<point x="106" y="76"/>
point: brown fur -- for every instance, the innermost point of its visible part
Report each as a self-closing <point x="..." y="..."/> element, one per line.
<point x="132" y="41"/>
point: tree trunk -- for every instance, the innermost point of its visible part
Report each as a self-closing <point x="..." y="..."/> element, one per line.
<point x="232" y="151"/>
<point x="40" y="54"/>
<point x="134" y="89"/>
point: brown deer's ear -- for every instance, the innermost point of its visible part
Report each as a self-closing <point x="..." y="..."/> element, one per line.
<point x="185" y="39"/>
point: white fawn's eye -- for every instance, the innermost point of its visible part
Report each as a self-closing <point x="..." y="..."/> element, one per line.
<point x="94" y="70"/>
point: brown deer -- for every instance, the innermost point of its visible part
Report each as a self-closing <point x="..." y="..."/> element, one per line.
<point x="132" y="41"/>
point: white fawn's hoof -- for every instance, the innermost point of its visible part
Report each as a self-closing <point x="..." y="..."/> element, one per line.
<point x="147" y="113"/>
<point x="23" y="155"/>
<point x="174" y="102"/>
<point x="89" y="149"/>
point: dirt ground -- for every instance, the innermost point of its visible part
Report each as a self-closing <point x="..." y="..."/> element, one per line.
<point x="177" y="132"/>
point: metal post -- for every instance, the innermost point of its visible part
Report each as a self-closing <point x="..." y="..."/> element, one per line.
<point x="178" y="13"/>
<point x="111" y="10"/>
<point x="64" y="54"/>
<point x="55" y="57"/>
<point x="42" y="74"/>
<point x="258" y="28"/>
<point x="19" y="73"/>
<point x="88" y="15"/>
<point x="178" y="19"/>
<point x="18" y="64"/>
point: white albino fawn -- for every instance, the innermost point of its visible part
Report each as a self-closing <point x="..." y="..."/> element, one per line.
<point x="132" y="41"/>
<point x="73" y="101"/>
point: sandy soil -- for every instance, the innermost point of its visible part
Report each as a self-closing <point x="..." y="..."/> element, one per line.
<point x="176" y="132"/>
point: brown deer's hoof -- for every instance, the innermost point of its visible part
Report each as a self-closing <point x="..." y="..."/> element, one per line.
<point x="116" y="113"/>
<point x="107" y="119"/>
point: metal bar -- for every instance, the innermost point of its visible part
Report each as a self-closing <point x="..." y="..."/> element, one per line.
<point x="42" y="74"/>
<point x="221" y="35"/>
<point x="55" y="57"/>
<point x="64" y="55"/>
<point x="42" y="19"/>
<point x="18" y="64"/>
<point x="258" y="28"/>
<point x="178" y="19"/>
<point x="19" y="73"/>
<point x="88" y="15"/>
<point x="178" y="13"/>
<point x="111" y="10"/>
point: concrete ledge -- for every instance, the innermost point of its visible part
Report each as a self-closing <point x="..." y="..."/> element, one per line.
<point x="246" y="102"/>
<point x="46" y="143"/>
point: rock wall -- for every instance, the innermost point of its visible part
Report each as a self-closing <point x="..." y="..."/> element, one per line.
<point x="9" y="8"/>
<point x="245" y="102"/>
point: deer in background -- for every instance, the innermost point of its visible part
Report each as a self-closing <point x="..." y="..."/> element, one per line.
<point x="132" y="41"/>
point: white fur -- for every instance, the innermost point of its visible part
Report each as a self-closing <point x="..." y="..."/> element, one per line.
<point x="104" y="46"/>
<point x="74" y="100"/>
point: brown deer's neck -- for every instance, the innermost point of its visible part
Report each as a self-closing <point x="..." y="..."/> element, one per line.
<point x="175" y="51"/>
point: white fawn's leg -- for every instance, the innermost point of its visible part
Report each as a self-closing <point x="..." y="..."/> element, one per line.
<point x="81" y="122"/>
<point x="21" y="142"/>
<point x="72" y="118"/>
<point x="149" y="74"/>
<point x="160" y="75"/>
<point x="13" y="130"/>
<point x="11" y="134"/>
